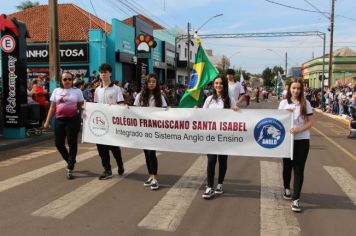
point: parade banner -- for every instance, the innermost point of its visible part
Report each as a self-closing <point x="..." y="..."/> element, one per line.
<point x="246" y="132"/>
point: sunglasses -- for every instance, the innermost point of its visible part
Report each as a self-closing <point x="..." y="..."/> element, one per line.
<point x="65" y="79"/>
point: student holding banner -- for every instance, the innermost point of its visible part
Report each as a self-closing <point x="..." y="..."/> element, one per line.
<point x="219" y="100"/>
<point x="108" y="93"/>
<point x="151" y="96"/>
<point x="236" y="90"/>
<point x="296" y="103"/>
<point x="65" y="103"/>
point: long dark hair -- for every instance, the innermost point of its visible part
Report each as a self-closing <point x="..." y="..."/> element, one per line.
<point x="301" y="99"/>
<point x="225" y="93"/>
<point x="145" y="93"/>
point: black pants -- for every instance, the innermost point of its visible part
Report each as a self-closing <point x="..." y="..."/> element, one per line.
<point x="151" y="161"/>
<point x="300" y="154"/>
<point x="104" y="153"/>
<point x="67" y="127"/>
<point x="211" y="168"/>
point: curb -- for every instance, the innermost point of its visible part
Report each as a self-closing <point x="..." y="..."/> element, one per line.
<point x="7" y="144"/>
<point x="335" y="117"/>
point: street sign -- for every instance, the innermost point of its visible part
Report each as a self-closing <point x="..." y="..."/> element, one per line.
<point x="7" y="43"/>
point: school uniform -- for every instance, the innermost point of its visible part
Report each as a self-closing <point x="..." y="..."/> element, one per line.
<point x="109" y="95"/>
<point x="211" y="103"/>
<point x="150" y="155"/>
<point x="301" y="149"/>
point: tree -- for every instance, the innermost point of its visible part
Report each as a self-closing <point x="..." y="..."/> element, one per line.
<point x="277" y="69"/>
<point x="26" y="5"/>
<point x="267" y="76"/>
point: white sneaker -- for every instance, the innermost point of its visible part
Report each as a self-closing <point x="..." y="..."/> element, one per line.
<point x="295" y="206"/>
<point x="148" y="182"/>
<point x="154" y="184"/>
<point x="209" y="193"/>
<point x="219" y="189"/>
<point x="287" y="195"/>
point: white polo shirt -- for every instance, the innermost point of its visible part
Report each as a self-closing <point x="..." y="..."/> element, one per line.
<point x="218" y="103"/>
<point x="299" y="120"/>
<point x="151" y="101"/>
<point x="235" y="90"/>
<point x="110" y="95"/>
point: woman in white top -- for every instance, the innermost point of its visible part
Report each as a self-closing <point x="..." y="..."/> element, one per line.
<point x="296" y="103"/>
<point x="151" y="96"/>
<point x="219" y="100"/>
<point x="66" y="102"/>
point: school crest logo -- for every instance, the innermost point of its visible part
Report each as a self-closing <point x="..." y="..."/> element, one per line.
<point x="98" y="124"/>
<point x="269" y="133"/>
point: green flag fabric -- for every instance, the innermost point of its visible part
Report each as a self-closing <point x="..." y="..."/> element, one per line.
<point x="203" y="73"/>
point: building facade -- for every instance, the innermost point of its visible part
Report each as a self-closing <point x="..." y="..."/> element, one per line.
<point x="344" y="69"/>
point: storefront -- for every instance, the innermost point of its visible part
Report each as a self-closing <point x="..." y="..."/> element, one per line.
<point x="74" y="57"/>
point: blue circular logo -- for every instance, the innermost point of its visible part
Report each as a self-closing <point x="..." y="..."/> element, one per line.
<point x="193" y="79"/>
<point x="269" y="133"/>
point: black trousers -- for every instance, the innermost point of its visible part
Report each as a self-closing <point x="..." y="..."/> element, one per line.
<point x="151" y="161"/>
<point x="212" y="159"/>
<point x="104" y="153"/>
<point x="300" y="154"/>
<point x="67" y="127"/>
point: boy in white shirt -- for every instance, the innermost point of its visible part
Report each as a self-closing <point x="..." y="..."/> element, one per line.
<point x="236" y="90"/>
<point x="108" y="93"/>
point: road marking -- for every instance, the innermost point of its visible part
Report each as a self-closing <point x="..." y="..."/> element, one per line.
<point x="334" y="128"/>
<point x="35" y="174"/>
<point x="343" y="178"/>
<point x="275" y="214"/>
<point x="335" y="143"/>
<point x="170" y="210"/>
<point x="70" y="202"/>
<point x="25" y="157"/>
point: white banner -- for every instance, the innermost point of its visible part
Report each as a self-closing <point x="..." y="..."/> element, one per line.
<point x="246" y="132"/>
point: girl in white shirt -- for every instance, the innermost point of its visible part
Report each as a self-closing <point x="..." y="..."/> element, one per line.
<point x="296" y="103"/>
<point x="151" y="96"/>
<point x="219" y="100"/>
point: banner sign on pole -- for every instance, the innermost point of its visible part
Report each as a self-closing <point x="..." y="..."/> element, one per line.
<point x="250" y="132"/>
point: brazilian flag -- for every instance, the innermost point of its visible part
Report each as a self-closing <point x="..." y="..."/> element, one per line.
<point x="203" y="73"/>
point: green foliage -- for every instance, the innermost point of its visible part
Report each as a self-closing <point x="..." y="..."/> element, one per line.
<point x="26" y="5"/>
<point x="267" y="76"/>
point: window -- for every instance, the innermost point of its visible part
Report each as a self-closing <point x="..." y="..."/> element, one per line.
<point x="190" y="55"/>
<point x="185" y="52"/>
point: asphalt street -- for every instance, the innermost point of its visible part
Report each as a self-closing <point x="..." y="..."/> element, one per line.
<point x="37" y="199"/>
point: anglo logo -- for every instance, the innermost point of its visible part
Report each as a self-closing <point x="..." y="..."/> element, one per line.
<point x="269" y="133"/>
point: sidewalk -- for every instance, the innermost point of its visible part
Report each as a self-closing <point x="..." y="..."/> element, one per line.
<point x="6" y="144"/>
<point x="344" y="119"/>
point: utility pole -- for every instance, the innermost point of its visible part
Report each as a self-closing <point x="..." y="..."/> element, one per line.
<point x="53" y="44"/>
<point x="188" y="54"/>
<point x="331" y="42"/>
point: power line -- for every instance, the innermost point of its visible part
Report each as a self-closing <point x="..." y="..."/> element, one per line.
<point x="292" y="7"/>
<point x="327" y="15"/>
<point x="119" y="7"/>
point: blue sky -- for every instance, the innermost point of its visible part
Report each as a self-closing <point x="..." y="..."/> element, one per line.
<point x="239" y="16"/>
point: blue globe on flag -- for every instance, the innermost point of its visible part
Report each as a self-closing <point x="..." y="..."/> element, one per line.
<point x="193" y="79"/>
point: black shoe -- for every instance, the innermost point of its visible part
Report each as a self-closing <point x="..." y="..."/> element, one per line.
<point x="295" y="206"/>
<point x="154" y="184"/>
<point x="105" y="175"/>
<point x="209" y="193"/>
<point x="148" y="182"/>
<point x="69" y="174"/>
<point x="286" y="194"/>
<point x="121" y="171"/>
